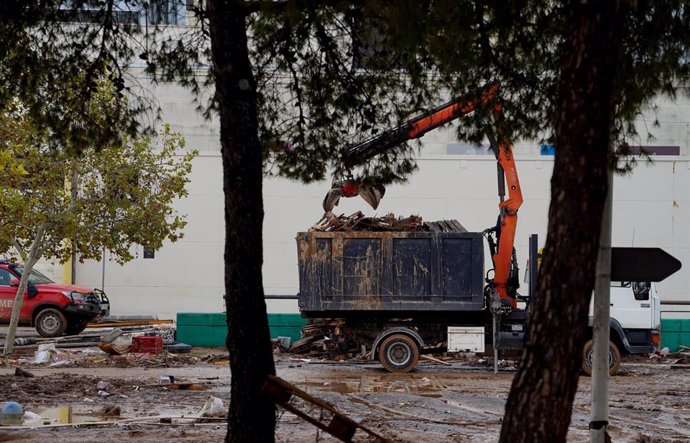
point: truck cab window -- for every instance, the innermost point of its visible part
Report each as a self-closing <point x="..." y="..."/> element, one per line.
<point x="641" y="290"/>
<point x="5" y="277"/>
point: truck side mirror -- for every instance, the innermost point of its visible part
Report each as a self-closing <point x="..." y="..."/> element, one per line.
<point x="32" y="290"/>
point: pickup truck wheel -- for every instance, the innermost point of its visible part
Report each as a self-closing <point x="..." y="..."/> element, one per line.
<point x="50" y="322"/>
<point x="76" y="327"/>
<point x="614" y="358"/>
<point x="399" y="353"/>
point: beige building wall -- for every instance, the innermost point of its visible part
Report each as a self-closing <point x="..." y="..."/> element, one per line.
<point x="650" y="209"/>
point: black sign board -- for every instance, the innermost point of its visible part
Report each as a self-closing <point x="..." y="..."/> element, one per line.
<point x="642" y="264"/>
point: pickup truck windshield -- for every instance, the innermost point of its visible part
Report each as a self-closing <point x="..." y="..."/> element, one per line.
<point x="35" y="277"/>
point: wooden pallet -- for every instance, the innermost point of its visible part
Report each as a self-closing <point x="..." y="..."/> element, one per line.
<point x="325" y="416"/>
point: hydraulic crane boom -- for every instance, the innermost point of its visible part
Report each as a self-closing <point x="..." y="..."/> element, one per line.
<point x="417" y="126"/>
<point x="391" y="138"/>
<point x="505" y="280"/>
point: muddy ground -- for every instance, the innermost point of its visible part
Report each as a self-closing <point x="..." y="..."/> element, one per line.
<point x="649" y="400"/>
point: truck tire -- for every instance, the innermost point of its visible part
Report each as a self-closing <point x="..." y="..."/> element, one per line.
<point x="614" y="358"/>
<point x="399" y="353"/>
<point x="50" y="322"/>
<point x="76" y="327"/>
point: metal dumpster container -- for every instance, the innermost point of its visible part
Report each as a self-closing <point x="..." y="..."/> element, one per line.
<point x="343" y="273"/>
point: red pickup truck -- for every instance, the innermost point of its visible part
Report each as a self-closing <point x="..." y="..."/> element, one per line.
<point x="52" y="308"/>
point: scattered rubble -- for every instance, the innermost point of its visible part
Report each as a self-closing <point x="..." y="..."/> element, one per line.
<point x="11" y="413"/>
<point x="19" y="372"/>
<point x="110" y="411"/>
<point x="151" y="344"/>
<point x="213" y="407"/>
<point x="45" y="353"/>
<point x="460" y="402"/>
<point x="329" y="222"/>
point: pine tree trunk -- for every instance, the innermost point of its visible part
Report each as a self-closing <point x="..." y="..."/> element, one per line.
<point x="540" y="402"/>
<point x="251" y="416"/>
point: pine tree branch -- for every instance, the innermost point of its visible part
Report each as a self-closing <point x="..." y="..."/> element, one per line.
<point x="490" y="55"/>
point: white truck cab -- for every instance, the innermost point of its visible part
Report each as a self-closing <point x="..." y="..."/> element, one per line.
<point x="635" y="317"/>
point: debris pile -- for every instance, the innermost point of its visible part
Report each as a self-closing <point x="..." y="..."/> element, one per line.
<point x="330" y="222"/>
<point x="34" y="401"/>
<point x="151" y="344"/>
<point x="329" y="339"/>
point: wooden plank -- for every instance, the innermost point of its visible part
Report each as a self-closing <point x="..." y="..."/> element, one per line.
<point x="118" y="324"/>
<point x="340" y="426"/>
<point x="680" y="366"/>
<point x="458" y="226"/>
<point x="434" y="359"/>
<point x="112" y="422"/>
<point x="433" y="226"/>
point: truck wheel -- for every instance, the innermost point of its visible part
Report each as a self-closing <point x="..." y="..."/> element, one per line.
<point x="614" y="358"/>
<point x="50" y="322"/>
<point x="76" y="327"/>
<point x="399" y="353"/>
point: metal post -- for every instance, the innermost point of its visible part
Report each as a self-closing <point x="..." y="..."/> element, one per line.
<point x="496" y="312"/>
<point x="533" y="265"/>
<point x="495" y="342"/>
<point x="602" y="297"/>
<point x="73" y="277"/>
<point x="103" y="272"/>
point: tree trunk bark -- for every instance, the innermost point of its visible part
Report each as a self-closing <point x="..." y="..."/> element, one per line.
<point x="251" y="416"/>
<point x="540" y="402"/>
<point x="35" y="253"/>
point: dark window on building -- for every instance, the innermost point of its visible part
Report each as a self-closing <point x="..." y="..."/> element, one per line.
<point x="655" y="150"/>
<point x="370" y="48"/>
<point x="149" y="252"/>
<point x="162" y="12"/>
<point x="96" y="16"/>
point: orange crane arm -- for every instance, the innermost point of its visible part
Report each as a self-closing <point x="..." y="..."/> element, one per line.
<point x="417" y="126"/>
<point x="505" y="280"/>
<point x="505" y="267"/>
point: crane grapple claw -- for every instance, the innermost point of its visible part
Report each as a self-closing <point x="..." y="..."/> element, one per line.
<point x="348" y="188"/>
<point x="372" y="194"/>
<point x="331" y="200"/>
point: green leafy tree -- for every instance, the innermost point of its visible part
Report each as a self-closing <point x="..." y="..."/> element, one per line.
<point x="110" y="197"/>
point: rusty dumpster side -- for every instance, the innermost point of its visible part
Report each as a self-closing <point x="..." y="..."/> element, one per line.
<point x="341" y="273"/>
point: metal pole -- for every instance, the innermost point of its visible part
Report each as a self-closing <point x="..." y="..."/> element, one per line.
<point x="602" y="297"/>
<point x="73" y="277"/>
<point x="496" y="312"/>
<point x="103" y="273"/>
<point x="533" y="266"/>
<point x="495" y="342"/>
